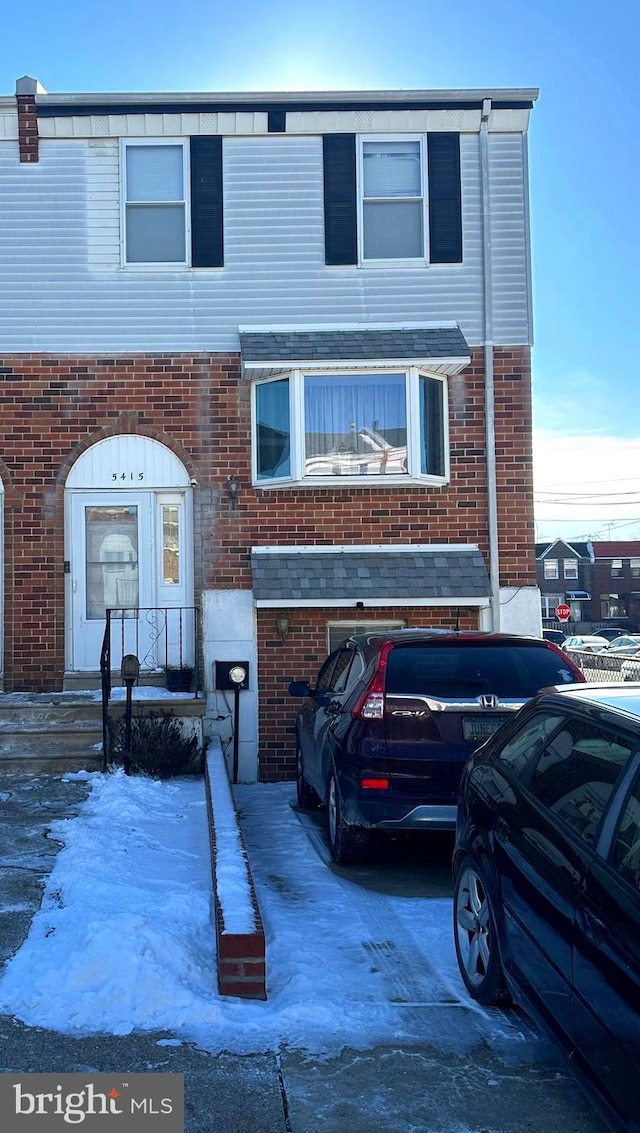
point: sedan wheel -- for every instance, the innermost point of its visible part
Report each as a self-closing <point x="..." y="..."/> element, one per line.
<point x="476" y="938"/>
<point x="348" y="843"/>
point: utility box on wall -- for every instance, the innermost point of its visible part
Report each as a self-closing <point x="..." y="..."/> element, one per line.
<point x="230" y="675"/>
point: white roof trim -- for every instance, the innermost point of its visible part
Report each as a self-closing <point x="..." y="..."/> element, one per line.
<point x="266" y="368"/>
<point x="336" y="328"/>
<point x="367" y="603"/>
<point x="364" y="548"/>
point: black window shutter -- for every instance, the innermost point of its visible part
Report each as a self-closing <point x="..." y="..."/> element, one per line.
<point x="445" y="203"/>
<point x="207" y="236"/>
<point x="340" y="203"/>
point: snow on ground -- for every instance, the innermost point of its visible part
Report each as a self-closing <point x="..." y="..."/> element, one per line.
<point x="125" y="941"/>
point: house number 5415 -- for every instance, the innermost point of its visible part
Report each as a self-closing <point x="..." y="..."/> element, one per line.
<point x="127" y="475"/>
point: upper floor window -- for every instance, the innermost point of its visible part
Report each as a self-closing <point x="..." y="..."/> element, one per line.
<point x="616" y="568"/>
<point x="551" y="568"/>
<point x="570" y="568"/>
<point x="319" y="426"/>
<point x="634" y="566"/>
<point x="155" y="203"/>
<point x="393" y="200"/>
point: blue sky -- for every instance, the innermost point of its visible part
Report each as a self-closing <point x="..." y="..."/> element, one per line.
<point x="584" y="161"/>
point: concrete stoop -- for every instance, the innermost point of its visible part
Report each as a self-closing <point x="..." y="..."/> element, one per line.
<point x="54" y="732"/>
<point x="50" y="732"/>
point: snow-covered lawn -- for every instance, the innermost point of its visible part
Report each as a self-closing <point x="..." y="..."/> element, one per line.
<point x="125" y="941"/>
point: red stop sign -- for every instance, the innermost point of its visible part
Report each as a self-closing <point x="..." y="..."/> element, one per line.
<point x="562" y="612"/>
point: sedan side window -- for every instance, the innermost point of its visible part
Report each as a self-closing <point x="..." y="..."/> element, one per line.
<point x="625" y="851"/>
<point x="576" y="772"/>
<point x="520" y="751"/>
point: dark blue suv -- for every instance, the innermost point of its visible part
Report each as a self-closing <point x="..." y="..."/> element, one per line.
<point x="383" y="736"/>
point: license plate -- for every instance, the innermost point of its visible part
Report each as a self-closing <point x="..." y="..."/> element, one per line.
<point x="475" y="729"/>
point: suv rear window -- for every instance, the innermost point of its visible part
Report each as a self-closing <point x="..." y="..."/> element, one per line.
<point x="472" y="669"/>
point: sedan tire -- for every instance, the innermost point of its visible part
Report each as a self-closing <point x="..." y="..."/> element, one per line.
<point x="476" y="939"/>
<point x="348" y="843"/>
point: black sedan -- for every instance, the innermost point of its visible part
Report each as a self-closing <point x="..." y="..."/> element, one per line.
<point x="547" y="880"/>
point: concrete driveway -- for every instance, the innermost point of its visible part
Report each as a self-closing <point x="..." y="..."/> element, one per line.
<point x="453" y="1068"/>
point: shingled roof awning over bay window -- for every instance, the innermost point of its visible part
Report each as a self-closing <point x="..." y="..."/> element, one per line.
<point x="425" y="575"/>
<point x="267" y="351"/>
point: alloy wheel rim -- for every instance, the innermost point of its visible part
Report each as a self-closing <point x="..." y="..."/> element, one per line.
<point x="473" y="924"/>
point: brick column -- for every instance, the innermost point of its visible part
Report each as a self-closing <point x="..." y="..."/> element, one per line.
<point x="26" y="90"/>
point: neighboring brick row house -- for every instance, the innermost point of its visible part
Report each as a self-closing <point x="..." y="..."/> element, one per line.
<point x="600" y="581"/>
<point x="269" y="356"/>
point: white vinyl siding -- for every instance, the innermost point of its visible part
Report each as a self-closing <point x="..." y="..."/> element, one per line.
<point x="62" y="287"/>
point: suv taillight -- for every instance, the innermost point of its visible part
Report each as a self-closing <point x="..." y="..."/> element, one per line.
<point x="370" y="706"/>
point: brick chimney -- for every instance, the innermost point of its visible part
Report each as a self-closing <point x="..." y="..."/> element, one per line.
<point x="26" y="91"/>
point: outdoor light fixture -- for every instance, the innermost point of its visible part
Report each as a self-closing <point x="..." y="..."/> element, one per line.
<point x="233" y="485"/>
<point x="284" y="625"/>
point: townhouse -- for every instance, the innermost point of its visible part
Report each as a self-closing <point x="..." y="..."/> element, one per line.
<point x="267" y="358"/>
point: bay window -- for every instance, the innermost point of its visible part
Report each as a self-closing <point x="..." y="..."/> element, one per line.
<point x="316" y="426"/>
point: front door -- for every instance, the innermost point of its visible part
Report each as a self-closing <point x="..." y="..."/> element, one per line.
<point x="112" y="567"/>
<point x="129" y="553"/>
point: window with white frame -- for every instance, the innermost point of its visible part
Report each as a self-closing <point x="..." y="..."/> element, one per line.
<point x="551" y="568"/>
<point x="549" y="603"/>
<point x="634" y="567"/>
<point x="616" y="568"/>
<point x="392" y="199"/>
<point x="319" y="426"/>
<point x="570" y="568"/>
<point x="155" y="202"/>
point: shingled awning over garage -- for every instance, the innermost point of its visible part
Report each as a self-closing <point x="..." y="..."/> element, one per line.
<point x="448" y="575"/>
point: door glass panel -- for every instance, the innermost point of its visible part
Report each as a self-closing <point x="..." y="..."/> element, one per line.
<point x="170" y="545"/>
<point x="112" y="559"/>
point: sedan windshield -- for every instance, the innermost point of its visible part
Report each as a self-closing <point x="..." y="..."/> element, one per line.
<point x="474" y="669"/>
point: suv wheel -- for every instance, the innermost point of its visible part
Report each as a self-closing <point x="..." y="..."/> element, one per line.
<point x="307" y="797"/>
<point x="348" y="843"/>
<point x="476" y="937"/>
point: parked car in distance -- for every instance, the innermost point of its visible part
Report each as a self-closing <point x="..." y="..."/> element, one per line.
<point x="555" y="635"/>
<point x="625" y="644"/>
<point x="382" y="737"/>
<point x="585" y="643"/>
<point x="547" y="880"/>
<point x="610" y="632"/>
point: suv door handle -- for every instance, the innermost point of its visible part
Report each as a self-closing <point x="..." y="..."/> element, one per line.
<point x="333" y="708"/>
<point x="502" y="831"/>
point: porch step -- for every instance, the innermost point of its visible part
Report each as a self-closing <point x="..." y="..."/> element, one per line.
<point x="78" y="682"/>
<point x="50" y="732"/>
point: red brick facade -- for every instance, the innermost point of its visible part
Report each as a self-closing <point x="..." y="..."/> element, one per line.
<point x="53" y="409"/>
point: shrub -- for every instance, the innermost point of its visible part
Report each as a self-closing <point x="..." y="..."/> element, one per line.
<point x="159" y="747"/>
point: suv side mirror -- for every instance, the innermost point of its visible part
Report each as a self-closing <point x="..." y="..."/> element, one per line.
<point x="299" y="688"/>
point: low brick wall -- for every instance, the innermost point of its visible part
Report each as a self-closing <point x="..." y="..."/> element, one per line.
<point x="241" y="956"/>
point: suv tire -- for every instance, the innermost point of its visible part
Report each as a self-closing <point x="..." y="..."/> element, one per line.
<point x="307" y="797"/>
<point x="348" y="843"/>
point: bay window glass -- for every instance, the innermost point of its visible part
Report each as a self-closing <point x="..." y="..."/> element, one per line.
<point x="355" y="425"/>
<point x="392" y="200"/>
<point x="319" y="426"/>
<point x="155" y="204"/>
<point x="273" y="430"/>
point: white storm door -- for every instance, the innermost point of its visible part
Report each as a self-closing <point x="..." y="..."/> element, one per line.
<point x="174" y="588"/>
<point x="112" y="566"/>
